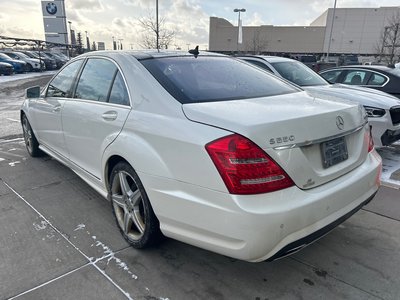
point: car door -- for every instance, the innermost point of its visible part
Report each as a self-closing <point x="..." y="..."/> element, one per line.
<point x="96" y="114"/>
<point x="46" y="110"/>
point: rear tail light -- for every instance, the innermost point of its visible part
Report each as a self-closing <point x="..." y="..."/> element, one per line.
<point x="245" y="168"/>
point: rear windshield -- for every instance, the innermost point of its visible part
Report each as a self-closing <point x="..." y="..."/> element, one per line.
<point x="205" y="79"/>
<point x="298" y="73"/>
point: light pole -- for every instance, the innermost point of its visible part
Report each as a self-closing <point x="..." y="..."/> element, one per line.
<point x="157" y="29"/>
<point x="70" y="33"/>
<point x="330" y="34"/>
<point x="239" y="39"/>
<point x="87" y="42"/>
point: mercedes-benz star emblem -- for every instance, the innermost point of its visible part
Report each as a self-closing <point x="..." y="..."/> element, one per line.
<point x="51" y="8"/>
<point x="339" y="122"/>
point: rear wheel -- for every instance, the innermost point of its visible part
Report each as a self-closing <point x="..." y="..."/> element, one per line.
<point x="32" y="145"/>
<point x="132" y="209"/>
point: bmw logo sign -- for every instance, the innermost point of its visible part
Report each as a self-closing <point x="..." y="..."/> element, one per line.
<point x="51" y="8"/>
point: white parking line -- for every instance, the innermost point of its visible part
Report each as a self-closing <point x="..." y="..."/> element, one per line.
<point x="13" y="120"/>
<point x="90" y="262"/>
<point x="11" y="140"/>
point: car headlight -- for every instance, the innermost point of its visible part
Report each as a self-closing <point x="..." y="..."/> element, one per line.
<point x="374" y="112"/>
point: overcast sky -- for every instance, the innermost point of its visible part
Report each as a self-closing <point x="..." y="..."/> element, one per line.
<point x="188" y="18"/>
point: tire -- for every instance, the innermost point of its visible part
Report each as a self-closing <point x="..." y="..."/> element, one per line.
<point x="31" y="143"/>
<point x="29" y="68"/>
<point x="132" y="209"/>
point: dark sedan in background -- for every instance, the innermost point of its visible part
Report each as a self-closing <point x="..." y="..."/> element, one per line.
<point x="6" y="68"/>
<point x="382" y="78"/>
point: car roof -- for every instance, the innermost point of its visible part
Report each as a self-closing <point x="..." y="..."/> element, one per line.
<point x="269" y="58"/>
<point x="367" y="67"/>
<point x="152" y="53"/>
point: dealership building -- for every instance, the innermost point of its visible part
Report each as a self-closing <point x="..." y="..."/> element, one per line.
<point x="353" y="31"/>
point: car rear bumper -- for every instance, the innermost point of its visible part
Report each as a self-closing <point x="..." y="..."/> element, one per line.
<point x="301" y="243"/>
<point x="259" y="227"/>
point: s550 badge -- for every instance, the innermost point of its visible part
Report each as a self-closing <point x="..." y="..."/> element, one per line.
<point x="282" y="139"/>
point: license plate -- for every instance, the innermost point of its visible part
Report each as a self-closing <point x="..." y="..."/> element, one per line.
<point x="334" y="152"/>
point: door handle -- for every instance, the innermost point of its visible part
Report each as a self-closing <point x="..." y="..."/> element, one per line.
<point x="57" y="108"/>
<point x="110" y="115"/>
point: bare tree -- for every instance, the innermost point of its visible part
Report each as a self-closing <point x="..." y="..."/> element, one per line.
<point x="388" y="46"/>
<point x="257" y="43"/>
<point x="149" y="34"/>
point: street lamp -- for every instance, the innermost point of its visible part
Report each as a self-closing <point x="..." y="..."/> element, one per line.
<point x="70" y="29"/>
<point x="330" y="34"/>
<point x="239" y="40"/>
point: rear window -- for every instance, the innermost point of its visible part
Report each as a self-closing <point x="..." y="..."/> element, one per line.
<point x="206" y="79"/>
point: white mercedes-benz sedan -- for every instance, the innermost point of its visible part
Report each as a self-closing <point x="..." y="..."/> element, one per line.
<point x="205" y="149"/>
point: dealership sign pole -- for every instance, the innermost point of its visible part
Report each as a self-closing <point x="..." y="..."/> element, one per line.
<point x="54" y="21"/>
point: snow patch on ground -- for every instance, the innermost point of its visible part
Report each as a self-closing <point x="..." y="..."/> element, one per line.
<point x="108" y="253"/>
<point x="80" y="227"/>
<point x="16" y="77"/>
<point x="13" y="163"/>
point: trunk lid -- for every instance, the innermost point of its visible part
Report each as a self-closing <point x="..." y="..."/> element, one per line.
<point x="294" y="130"/>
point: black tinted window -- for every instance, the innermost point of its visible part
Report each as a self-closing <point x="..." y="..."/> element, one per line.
<point x="61" y="85"/>
<point x="331" y="76"/>
<point x="95" y="80"/>
<point x="119" y="94"/>
<point x="203" y="79"/>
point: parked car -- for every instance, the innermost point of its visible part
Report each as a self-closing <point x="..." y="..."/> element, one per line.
<point x="307" y="59"/>
<point x="376" y="77"/>
<point x="59" y="60"/>
<point x="205" y="149"/>
<point x="383" y="109"/>
<point x="18" y="65"/>
<point x="32" y="64"/>
<point x="49" y="63"/>
<point x="6" y="68"/>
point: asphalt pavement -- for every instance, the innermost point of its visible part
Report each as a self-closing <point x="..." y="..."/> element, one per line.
<point x="59" y="241"/>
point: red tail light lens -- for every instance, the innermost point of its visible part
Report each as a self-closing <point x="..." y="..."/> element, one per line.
<point x="245" y="168"/>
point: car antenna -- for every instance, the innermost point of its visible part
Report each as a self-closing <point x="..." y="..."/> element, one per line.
<point x="195" y="51"/>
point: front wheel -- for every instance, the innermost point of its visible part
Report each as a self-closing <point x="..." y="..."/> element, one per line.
<point x="32" y="145"/>
<point x="132" y="209"/>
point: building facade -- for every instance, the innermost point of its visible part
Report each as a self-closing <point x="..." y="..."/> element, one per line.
<point x="353" y="31"/>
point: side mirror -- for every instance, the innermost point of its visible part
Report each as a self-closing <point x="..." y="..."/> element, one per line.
<point x="33" y="92"/>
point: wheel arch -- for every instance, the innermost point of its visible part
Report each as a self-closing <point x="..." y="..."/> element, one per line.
<point x="111" y="162"/>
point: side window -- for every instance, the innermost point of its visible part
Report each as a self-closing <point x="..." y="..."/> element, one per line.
<point x="356" y="77"/>
<point x="376" y="79"/>
<point x="96" y="79"/>
<point x="259" y="64"/>
<point x="331" y="76"/>
<point x="61" y="85"/>
<point x="119" y="94"/>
